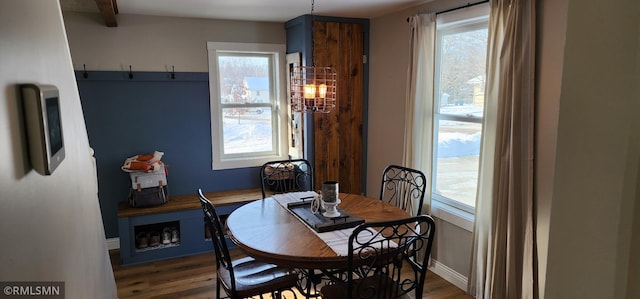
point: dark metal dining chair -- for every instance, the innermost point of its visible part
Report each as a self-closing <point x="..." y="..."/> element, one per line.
<point x="286" y="176"/>
<point x="386" y="259"/>
<point x="403" y="187"/>
<point x="244" y="277"/>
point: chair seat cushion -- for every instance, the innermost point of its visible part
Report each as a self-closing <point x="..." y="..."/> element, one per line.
<point x="371" y="287"/>
<point x="254" y="277"/>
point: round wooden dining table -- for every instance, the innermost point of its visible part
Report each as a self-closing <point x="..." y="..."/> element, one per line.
<point x="269" y="232"/>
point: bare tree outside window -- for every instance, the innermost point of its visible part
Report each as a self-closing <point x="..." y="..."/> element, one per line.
<point x="245" y="97"/>
<point x="460" y="77"/>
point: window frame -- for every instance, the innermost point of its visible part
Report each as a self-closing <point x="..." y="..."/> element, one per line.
<point x="276" y="53"/>
<point x="453" y="23"/>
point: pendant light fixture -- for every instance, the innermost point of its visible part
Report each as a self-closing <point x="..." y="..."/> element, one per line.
<point x="313" y="88"/>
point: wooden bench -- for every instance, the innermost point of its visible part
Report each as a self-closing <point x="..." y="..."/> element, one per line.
<point x="190" y="202"/>
<point x="182" y="212"/>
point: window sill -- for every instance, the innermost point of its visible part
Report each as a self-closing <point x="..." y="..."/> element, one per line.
<point x="243" y="162"/>
<point x="452" y="215"/>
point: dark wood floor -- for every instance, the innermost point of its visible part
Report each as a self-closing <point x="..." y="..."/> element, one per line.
<point x="194" y="277"/>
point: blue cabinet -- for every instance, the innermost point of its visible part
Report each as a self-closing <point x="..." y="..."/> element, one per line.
<point x="182" y="213"/>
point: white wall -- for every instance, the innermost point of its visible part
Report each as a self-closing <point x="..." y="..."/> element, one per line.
<point x="51" y="229"/>
<point x="150" y="43"/>
<point x="597" y="153"/>
<point x="551" y="31"/>
<point x="633" y="289"/>
<point x="388" y="61"/>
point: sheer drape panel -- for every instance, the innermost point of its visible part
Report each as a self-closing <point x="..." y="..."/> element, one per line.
<point x="418" y="134"/>
<point x="502" y="264"/>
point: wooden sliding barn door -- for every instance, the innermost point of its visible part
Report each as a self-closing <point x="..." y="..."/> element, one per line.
<point x="338" y="135"/>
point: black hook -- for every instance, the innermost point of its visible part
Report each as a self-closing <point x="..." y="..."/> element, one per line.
<point x="85" y="74"/>
<point x="130" y="73"/>
<point x="173" y="72"/>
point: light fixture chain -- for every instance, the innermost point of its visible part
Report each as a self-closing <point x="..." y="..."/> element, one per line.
<point x="313" y="58"/>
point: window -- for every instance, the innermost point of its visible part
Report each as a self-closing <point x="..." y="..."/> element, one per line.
<point x="247" y="93"/>
<point x="461" y="47"/>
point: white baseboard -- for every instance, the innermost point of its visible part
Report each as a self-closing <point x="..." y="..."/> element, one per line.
<point x="113" y="243"/>
<point x="449" y="274"/>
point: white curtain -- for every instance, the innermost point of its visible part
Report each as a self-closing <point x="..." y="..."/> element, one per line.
<point x="418" y="134"/>
<point x="502" y="264"/>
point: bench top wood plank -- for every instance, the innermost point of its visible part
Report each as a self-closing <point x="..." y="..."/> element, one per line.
<point x="191" y="202"/>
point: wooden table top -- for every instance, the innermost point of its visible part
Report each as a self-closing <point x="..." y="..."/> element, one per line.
<point x="267" y="231"/>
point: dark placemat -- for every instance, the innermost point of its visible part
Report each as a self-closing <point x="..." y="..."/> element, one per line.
<point x="321" y="223"/>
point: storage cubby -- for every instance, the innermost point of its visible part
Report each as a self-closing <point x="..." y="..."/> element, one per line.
<point x="157" y="236"/>
<point x="182" y="212"/>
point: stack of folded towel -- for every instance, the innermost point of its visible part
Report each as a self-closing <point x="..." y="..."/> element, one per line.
<point x="143" y="163"/>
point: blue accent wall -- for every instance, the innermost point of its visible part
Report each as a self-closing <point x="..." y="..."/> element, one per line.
<point x="152" y="111"/>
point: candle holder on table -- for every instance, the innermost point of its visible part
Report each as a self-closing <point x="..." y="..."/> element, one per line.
<point x="330" y="198"/>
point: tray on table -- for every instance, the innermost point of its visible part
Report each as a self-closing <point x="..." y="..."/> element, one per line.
<point x="321" y="223"/>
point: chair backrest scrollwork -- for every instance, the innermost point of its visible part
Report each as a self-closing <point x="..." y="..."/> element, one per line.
<point x="403" y="187"/>
<point x="286" y="176"/>
<point x="389" y="259"/>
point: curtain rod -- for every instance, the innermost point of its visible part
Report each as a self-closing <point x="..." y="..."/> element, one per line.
<point x="459" y="7"/>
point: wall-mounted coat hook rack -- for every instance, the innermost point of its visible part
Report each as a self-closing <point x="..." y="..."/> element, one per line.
<point x="84" y="71"/>
<point x="130" y="73"/>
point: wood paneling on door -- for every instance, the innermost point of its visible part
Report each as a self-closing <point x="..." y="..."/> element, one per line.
<point x="338" y="135"/>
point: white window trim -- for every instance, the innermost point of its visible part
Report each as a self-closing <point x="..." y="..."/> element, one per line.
<point x="450" y="214"/>
<point x="281" y="151"/>
<point x="444" y="208"/>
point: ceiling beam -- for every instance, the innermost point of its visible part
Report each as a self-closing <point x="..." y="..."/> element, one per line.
<point x="108" y="10"/>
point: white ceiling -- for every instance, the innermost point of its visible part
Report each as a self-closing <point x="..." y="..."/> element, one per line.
<point x="253" y="10"/>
